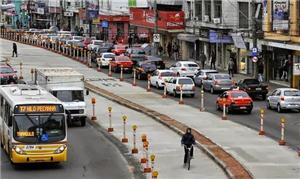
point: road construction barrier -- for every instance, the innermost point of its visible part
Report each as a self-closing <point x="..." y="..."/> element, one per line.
<point x="77" y="54"/>
<point x="109" y="69"/>
<point x="124" y="139"/>
<point x="99" y="66"/>
<point x="134" y="78"/>
<point x="202" y="108"/>
<point x="134" y="149"/>
<point x="261" y="130"/>
<point x="282" y="138"/>
<point x="181" y="95"/>
<point x="110" y="128"/>
<point x="224" y="116"/>
<point x="89" y="62"/>
<point x="165" y="91"/>
<point x="121" y="73"/>
<point x="21" y="71"/>
<point x="32" y="74"/>
<point x="148" y="83"/>
<point x="94" y="115"/>
<point x="147" y="168"/>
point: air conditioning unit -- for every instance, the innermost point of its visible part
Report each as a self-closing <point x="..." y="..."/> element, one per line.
<point x="217" y="20"/>
<point x="206" y="18"/>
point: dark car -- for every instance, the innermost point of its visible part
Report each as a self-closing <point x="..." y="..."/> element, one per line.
<point x="253" y="87"/>
<point x="157" y="61"/>
<point x="105" y="47"/>
<point x="136" y="58"/>
<point x="135" y="51"/>
<point x="144" y="68"/>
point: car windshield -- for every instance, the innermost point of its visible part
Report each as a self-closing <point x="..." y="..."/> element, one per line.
<point x="138" y="51"/>
<point x="109" y="55"/>
<point x="185" y="81"/>
<point x="39" y="128"/>
<point x="190" y="65"/>
<point x="165" y="74"/>
<point x="292" y="93"/>
<point x="69" y="95"/>
<point x="222" y="77"/>
<point x="4" y="70"/>
<point x="251" y="81"/>
<point x="239" y="95"/>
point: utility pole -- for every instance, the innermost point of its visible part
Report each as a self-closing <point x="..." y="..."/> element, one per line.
<point x="254" y="34"/>
<point x="155" y="26"/>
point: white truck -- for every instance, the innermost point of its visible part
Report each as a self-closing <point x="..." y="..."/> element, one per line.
<point x="67" y="85"/>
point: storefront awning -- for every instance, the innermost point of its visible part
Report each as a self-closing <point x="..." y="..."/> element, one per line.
<point x="187" y="37"/>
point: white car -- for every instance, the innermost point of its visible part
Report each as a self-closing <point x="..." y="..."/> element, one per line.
<point x="80" y="38"/>
<point x="284" y="99"/>
<point x="105" y="59"/>
<point x="185" y="68"/>
<point x="160" y="76"/>
<point x="174" y="84"/>
<point x="95" y="44"/>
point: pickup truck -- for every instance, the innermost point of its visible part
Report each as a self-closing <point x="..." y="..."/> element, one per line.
<point x="174" y="84"/>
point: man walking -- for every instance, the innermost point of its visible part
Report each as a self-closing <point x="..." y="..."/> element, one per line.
<point x="230" y="67"/>
<point x="15" y="50"/>
<point x="213" y="60"/>
<point x="202" y="59"/>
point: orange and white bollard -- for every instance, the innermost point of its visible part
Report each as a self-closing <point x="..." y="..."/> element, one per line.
<point x="99" y="66"/>
<point x="224" y="117"/>
<point x="124" y="139"/>
<point x="109" y="69"/>
<point x="148" y="83"/>
<point x="181" y="95"/>
<point x="134" y="149"/>
<point x="165" y="91"/>
<point x="147" y="168"/>
<point x="32" y="74"/>
<point x="110" y="128"/>
<point x="21" y="71"/>
<point x="94" y="115"/>
<point x="121" y="73"/>
<point x="282" y="141"/>
<point x="202" y="101"/>
<point x="261" y="131"/>
<point x="134" y="78"/>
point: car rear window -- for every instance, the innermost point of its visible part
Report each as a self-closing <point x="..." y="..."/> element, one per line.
<point x="97" y="43"/>
<point x="4" y="70"/>
<point x="190" y="65"/>
<point x="109" y="56"/>
<point x="138" y="59"/>
<point x="292" y="93"/>
<point x="251" y="81"/>
<point x="222" y="77"/>
<point x="164" y="74"/>
<point x="185" y="81"/>
<point x="122" y="59"/>
<point x="239" y="95"/>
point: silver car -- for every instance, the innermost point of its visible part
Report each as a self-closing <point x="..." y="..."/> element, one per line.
<point x="201" y="75"/>
<point x="217" y="82"/>
<point x="284" y="98"/>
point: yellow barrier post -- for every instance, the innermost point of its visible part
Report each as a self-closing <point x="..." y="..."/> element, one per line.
<point x="282" y="140"/>
<point x="134" y="149"/>
<point x="124" y="139"/>
<point x="261" y="131"/>
<point x="94" y="115"/>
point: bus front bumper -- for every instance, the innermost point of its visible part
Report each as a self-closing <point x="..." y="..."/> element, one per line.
<point x="38" y="158"/>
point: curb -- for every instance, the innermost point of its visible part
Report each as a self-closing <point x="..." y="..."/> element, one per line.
<point x="222" y="160"/>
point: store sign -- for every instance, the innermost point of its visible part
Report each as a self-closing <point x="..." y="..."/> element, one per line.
<point x="40" y="11"/>
<point x="219" y="37"/>
<point x="238" y="40"/>
<point x="280" y="14"/>
<point x="156" y="38"/>
<point x="104" y="24"/>
<point x="92" y="14"/>
<point x="21" y="109"/>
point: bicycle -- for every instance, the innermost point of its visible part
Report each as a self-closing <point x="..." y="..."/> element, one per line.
<point x="188" y="158"/>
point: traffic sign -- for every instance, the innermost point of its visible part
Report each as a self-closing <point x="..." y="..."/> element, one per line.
<point x="156" y="37"/>
<point x="254" y="51"/>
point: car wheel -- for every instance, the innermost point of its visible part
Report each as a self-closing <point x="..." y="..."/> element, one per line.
<point x="157" y="86"/>
<point x="279" y="108"/>
<point x="212" y="91"/>
<point x="268" y="105"/>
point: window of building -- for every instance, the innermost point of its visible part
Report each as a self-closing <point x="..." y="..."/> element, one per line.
<point x="218" y="8"/>
<point x="243" y="15"/>
<point x="198" y="9"/>
<point x="207" y="8"/>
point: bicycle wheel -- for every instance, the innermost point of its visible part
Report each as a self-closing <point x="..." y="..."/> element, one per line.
<point x="189" y="161"/>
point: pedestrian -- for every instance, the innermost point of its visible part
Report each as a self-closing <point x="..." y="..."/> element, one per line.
<point x="176" y="51"/>
<point x="230" y="67"/>
<point x="169" y="48"/>
<point x="188" y="140"/>
<point x="260" y="70"/>
<point x="160" y="50"/>
<point x="285" y="69"/>
<point x="212" y="60"/>
<point x="202" y="59"/>
<point x="15" y="50"/>
<point x="130" y="41"/>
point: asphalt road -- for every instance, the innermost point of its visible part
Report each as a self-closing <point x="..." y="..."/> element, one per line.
<point x="90" y="155"/>
<point x="271" y="122"/>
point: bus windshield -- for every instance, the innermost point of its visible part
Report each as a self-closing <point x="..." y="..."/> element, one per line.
<point x="69" y="95"/>
<point x="39" y="128"/>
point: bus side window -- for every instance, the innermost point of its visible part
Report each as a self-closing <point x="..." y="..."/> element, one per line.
<point x="7" y="115"/>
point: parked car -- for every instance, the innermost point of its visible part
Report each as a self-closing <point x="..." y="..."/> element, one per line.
<point x="105" y="59"/>
<point x="119" y="61"/>
<point x="135" y="51"/>
<point x="119" y="49"/>
<point x="104" y="47"/>
<point x="7" y="74"/>
<point x="159" y="77"/>
<point x="217" y="82"/>
<point x="185" y="68"/>
<point x="174" y="84"/>
<point x="159" y="63"/>
<point x="202" y="74"/>
<point x="87" y="40"/>
<point x="136" y="58"/>
<point x="143" y="69"/>
<point x="284" y="99"/>
<point x="234" y="100"/>
<point x="95" y="44"/>
<point x="253" y="87"/>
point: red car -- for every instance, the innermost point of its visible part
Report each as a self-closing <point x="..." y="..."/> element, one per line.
<point x="119" y="49"/>
<point x="235" y="100"/>
<point x="119" y="61"/>
<point x="7" y="75"/>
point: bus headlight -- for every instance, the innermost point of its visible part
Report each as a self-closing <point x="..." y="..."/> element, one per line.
<point x="18" y="150"/>
<point x="81" y="111"/>
<point x="60" y="149"/>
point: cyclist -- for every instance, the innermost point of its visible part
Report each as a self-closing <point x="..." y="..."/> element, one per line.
<point x="188" y="140"/>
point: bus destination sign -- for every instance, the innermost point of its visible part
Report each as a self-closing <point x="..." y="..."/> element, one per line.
<point x="48" y="108"/>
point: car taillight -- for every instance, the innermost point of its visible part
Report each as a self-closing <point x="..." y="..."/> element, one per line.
<point x="183" y="69"/>
<point x="177" y="88"/>
<point x="282" y="98"/>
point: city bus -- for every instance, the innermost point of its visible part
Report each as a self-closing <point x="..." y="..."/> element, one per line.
<point x="32" y="125"/>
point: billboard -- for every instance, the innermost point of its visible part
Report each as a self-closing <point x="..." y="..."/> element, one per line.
<point x="280" y="14"/>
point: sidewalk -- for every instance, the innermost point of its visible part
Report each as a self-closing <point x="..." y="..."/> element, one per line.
<point x="163" y="143"/>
